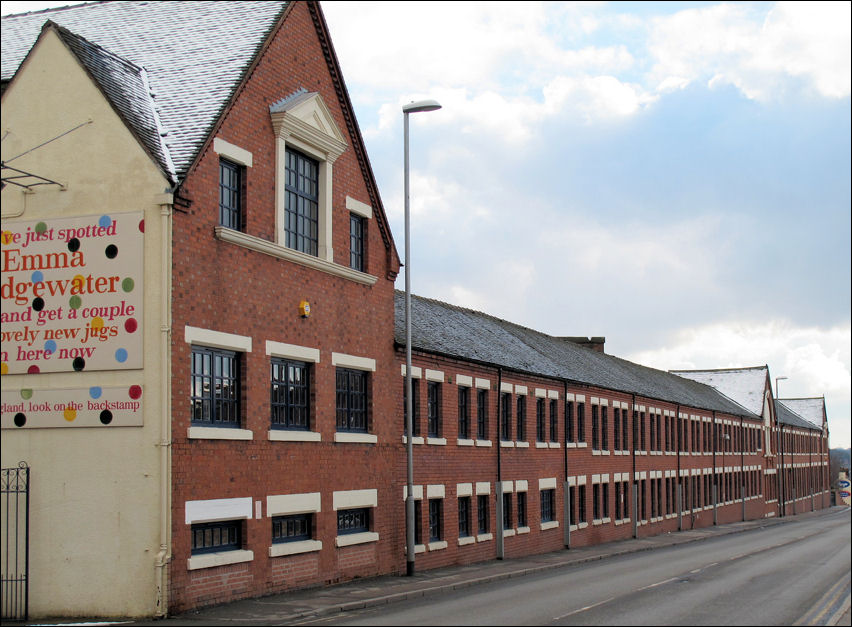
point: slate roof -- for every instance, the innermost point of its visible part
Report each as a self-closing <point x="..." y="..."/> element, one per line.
<point x="789" y="417"/>
<point x="194" y="53"/>
<point x="445" y="329"/>
<point x="746" y="386"/>
<point x="811" y="409"/>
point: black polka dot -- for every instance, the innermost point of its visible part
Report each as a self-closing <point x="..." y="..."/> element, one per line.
<point x="20" y="420"/>
<point x="79" y="363"/>
<point x="106" y="416"/>
<point x="38" y="303"/>
<point x="73" y="244"/>
<point x="111" y="251"/>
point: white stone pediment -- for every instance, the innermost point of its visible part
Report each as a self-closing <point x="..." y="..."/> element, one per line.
<point x="306" y="117"/>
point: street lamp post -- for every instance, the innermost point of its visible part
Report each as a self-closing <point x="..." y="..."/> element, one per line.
<point x="413" y="107"/>
<point x="777" y="389"/>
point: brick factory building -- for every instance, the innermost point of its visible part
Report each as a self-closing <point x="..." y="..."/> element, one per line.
<point x="202" y="365"/>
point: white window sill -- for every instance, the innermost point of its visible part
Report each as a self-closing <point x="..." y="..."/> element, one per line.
<point x="541" y="444"/>
<point x="467" y="540"/>
<point x="356" y="538"/>
<point x="522" y="444"/>
<point x="506" y="444"/>
<point x="437" y="441"/>
<point x="218" y="433"/>
<point x="356" y="438"/>
<point x="522" y="530"/>
<point x="292" y="548"/>
<point x="281" y="252"/>
<point x="604" y="452"/>
<point x="570" y="445"/>
<point x="484" y="537"/>
<point x="211" y="560"/>
<point x="582" y="444"/>
<point x="552" y="524"/>
<point x="282" y="435"/>
<point x="415" y="440"/>
<point x="484" y="443"/>
<point x="464" y="442"/>
<point x="508" y="533"/>
<point x="553" y="445"/>
<point x="437" y="546"/>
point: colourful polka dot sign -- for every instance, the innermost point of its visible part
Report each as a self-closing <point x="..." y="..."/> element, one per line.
<point x="72" y="294"/>
<point x="94" y="406"/>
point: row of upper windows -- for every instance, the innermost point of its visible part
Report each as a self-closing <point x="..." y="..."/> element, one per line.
<point x="301" y="208"/>
<point x="665" y="431"/>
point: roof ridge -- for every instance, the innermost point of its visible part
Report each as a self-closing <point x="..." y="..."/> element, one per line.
<point x="764" y="367"/>
<point x="52" y="9"/>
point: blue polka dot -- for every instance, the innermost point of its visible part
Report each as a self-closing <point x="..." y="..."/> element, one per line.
<point x="37" y="277"/>
<point x="95" y="391"/>
<point x="121" y="355"/>
<point x="50" y="346"/>
<point x="105" y="221"/>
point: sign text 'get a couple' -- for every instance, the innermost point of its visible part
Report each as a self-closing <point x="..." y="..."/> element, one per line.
<point x="72" y="294"/>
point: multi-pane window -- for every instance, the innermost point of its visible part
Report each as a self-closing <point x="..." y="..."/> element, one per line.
<point x="418" y="522"/>
<point x="507" y="511"/>
<point x="554" y="420"/>
<point x="581" y="422"/>
<point x="464" y="516"/>
<point x="522" y="509"/>
<point x="572" y="505"/>
<point x="290" y="395"/>
<point x="356" y="242"/>
<point x="617" y="497"/>
<point x="604" y="430"/>
<point x="415" y="406"/>
<point x="353" y="520"/>
<point x="433" y="408"/>
<point x="569" y="421"/>
<point x="464" y="413"/>
<point x="505" y="416"/>
<point x="596" y="501"/>
<point x="482" y="513"/>
<point x="653" y="419"/>
<point x="596" y="437"/>
<point x="231" y="178"/>
<point x="659" y="432"/>
<point x="626" y="497"/>
<point x="351" y="400"/>
<point x="482" y="414"/>
<point x="539" y="420"/>
<point x="581" y="503"/>
<point x="548" y="505"/>
<point x="521" y="419"/>
<point x="224" y="535"/>
<point x="436" y="519"/>
<point x="643" y="446"/>
<point x="292" y="528"/>
<point x="605" y="500"/>
<point x="215" y="391"/>
<point x="301" y="226"/>
<point x="616" y="429"/>
<point x="625" y="445"/>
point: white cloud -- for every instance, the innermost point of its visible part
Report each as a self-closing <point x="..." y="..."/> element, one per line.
<point x="729" y="44"/>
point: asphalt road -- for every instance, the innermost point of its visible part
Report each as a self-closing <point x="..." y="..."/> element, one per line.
<point x="780" y="575"/>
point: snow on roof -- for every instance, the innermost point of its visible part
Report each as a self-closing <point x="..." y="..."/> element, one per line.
<point x="747" y="386"/>
<point x="811" y="409"/>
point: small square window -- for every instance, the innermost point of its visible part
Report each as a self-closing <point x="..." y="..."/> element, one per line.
<point x="215" y="537"/>
<point x="353" y="520"/>
<point x="292" y="528"/>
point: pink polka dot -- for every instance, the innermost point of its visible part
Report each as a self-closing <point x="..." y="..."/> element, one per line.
<point x="130" y="325"/>
<point x="135" y="391"/>
<point x="33" y="369"/>
<point x="142" y="226"/>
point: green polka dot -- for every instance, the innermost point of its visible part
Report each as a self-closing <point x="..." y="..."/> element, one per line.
<point x="41" y="227"/>
<point x="26" y="393"/>
<point x="127" y="284"/>
<point x="75" y="302"/>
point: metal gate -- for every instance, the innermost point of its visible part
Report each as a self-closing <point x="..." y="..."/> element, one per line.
<point x="14" y="533"/>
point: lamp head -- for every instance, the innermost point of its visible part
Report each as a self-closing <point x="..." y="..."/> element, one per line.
<point x="421" y="105"/>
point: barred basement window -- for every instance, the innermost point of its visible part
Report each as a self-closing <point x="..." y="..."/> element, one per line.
<point x="302" y="192"/>
<point x="215" y="392"/>
<point x="292" y="528"/>
<point x="291" y="396"/>
<point x="548" y="501"/>
<point x="218" y="536"/>
<point x="464" y="516"/>
<point x="353" y="520"/>
<point x="231" y="191"/>
<point x="436" y="520"/>
<point x="351" y="400"/>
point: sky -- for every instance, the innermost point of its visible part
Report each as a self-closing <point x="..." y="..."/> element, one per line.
<point x="673" y="176"/>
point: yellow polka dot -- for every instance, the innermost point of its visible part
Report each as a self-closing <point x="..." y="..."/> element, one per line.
<point x="6" y="237"/>
<point x="4" y="368"/>
<point x="78" y="283"/>
<point x="70" y="414"/>
<point x="97" y="322"/>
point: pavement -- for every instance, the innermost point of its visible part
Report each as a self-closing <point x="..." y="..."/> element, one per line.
<point x="312" y="603"/>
